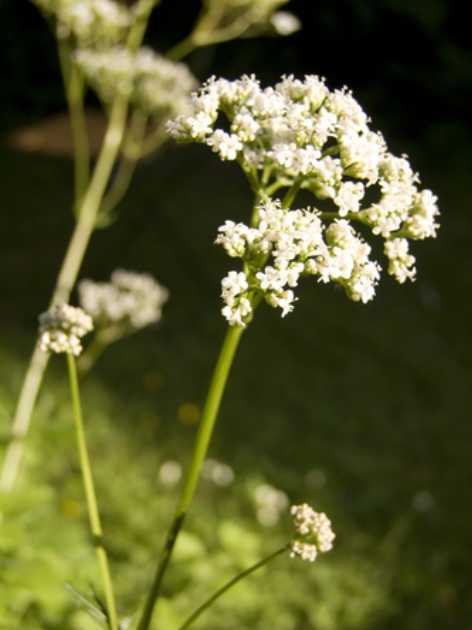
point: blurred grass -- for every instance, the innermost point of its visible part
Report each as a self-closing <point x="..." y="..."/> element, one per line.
<point x="362" y="410"/>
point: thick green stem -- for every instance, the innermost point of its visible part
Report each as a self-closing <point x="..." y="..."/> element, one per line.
<point x="90" y="495"/>
<point x="221" y="591"/>
<point x="207" y="423"/>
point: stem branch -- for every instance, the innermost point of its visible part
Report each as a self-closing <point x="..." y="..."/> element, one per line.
<point x="221" y="591"/>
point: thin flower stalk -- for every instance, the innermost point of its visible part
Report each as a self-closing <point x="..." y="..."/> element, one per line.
<point x="207" y="423"/>
<point x="90" y="495"/>
<point x="75" y="91"/>
<point x="226" y="587"/>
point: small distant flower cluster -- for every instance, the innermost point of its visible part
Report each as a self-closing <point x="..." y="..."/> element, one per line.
<point x="129" y="301"/>
<point x="270" y="504"/>
<point x="300" y="134"/>
<point x="313" y="533"/>
<point x="157" y="85"/>
<point x="285" y="23"/>
<point x="61" y="329"/>
<point x="97" y="23"/>
<point x="218" y="472"/>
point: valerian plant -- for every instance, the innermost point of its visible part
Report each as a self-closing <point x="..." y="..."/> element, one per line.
<point x="298" y="136"/>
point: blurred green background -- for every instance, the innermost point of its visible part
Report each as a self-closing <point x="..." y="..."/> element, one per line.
<point x="363" y="411"/>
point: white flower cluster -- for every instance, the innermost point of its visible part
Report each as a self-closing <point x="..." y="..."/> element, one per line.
<point x="61" y="329"/>
<point x="299" y="134"/>
<point x="313" y="533"/>
<point x="130" y="300"/>
<point x="98" y="23"/>
<point x="285" y="245"/>
<point x="155" y="84"/>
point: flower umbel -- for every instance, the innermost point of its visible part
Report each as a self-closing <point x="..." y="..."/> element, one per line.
<point x="98" y="23"/>
<point x="130" y="300"/>
<point x="61" y="329"/>
<point x="301" y="135"/>
<point x="313" y="533"/>
<point x="154" y="84"/>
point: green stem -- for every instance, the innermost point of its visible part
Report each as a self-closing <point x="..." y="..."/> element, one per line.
<point x="207" y="423"/>
<point x="182" y="49"/>
<point x="143" y="9"/>
<point x="118" y="190"/>
<point x="64" y="284"/>
<point x="221" y="591"/>
<point x="90" y="495"/>
<point x="84" y="227"/>
<point x="74" y="90"/>
<point x="292" y="192"/>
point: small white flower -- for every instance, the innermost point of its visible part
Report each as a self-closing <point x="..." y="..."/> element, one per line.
<point x="226" y="145"/>
<point x="401" y="262"/>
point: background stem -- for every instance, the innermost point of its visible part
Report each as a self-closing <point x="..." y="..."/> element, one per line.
<point x="73" y="258"/>
<point x="237" y="578"/>
<point x="90" y="495"/>
<point x="207" y="423"/>
<point x="75" y="92"/>
<point x="64" y="285"/>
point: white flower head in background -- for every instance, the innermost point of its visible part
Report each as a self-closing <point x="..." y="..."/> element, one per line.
<point x="270" y="504"/>
<point x="154" y="84"/>
<point x="61" y="329"/>
<point x="170" y="472"/>
<point x="285" y="23"/>
<point x="130" y="301"/>
<point x="301" y="135"/>
<point x="97" y="23"/>
<point x="313" y="533"/>
<point x="217" y="472"/>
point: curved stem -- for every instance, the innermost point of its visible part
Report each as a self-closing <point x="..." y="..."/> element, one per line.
<point x="90" y="495"/>
<point x="221" y="591"/>
<point x="207" y="423"/>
